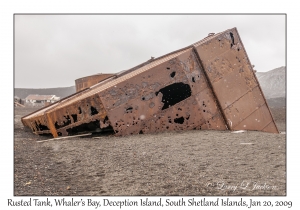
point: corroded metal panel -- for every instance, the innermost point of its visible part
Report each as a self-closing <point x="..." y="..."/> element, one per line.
<point x="270" y="128"/>
<point x="79" y="117"/>
<point x="209" y="110"/>
<point x="233" y="81"/>
<point x="149" y="102"/>
<point x="257" y="120"/>
<point x="243" y="107"/>
<point x="67" y="119"/>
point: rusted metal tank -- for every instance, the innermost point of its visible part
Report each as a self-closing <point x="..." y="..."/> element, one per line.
<point x="207" y="85"/>
<point x="88" y="81"/>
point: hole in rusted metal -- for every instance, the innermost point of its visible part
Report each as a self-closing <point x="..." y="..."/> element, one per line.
<point x="141" y="132"/>
<point x="74" y="116"/>
<point x="40" y="127"/>
<point x="106" y="119"/>
<point x="68" y="122"/>
<point x="203" y="110"/>
<point x="174" y="93"/>
<point x="45" y="134"/>
<point x="168" y="68"/>
<point x="232" y="39"/>
<point x="173" y="74"/>
<point x="179" y="120"/>
<point x="129" y="110"/>
<point x="148" y="96"/>
<point x="94" y="110"/>
<point x="56" y="125"/>
<point x="93" y="126"/>
<point x="65" y="123"/>
<point x="36" y="125"/>
<point x="79" y="109"/>
<point x="193" y="79"/>
<point x="59" y="133"/>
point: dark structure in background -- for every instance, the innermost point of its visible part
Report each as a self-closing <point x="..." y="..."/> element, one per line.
<point x="207" y="85"/>
<point x="86" y="82"/>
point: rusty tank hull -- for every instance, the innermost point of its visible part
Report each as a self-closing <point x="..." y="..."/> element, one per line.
<point x="207" y="85"/>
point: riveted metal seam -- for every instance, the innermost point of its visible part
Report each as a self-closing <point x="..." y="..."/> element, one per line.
<point x="211" y="87"/>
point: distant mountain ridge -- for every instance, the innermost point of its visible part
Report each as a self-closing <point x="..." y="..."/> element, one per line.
<point x="273" y="82"/>
<point x="61" y="92"/>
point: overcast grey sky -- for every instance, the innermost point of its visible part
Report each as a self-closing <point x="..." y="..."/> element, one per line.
<point x="54" y="50"/>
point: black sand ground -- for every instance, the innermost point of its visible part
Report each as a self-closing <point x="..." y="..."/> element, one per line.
<point x="174" y="163"/>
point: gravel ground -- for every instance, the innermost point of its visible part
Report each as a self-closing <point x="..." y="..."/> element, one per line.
<point x="174" y="163"/>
